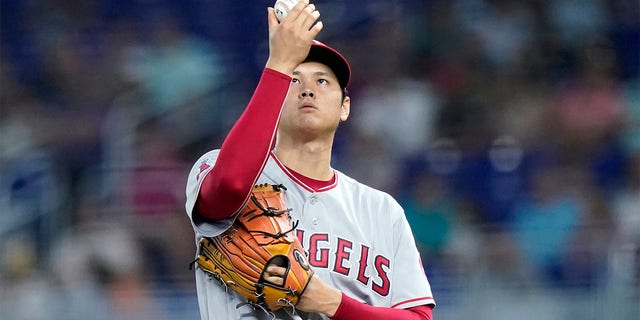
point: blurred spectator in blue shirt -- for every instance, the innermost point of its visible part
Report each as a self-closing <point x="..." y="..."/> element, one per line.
<point x="544" y="224"/>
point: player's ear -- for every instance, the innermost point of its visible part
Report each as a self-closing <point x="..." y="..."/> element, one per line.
<point x="345" y="108"/>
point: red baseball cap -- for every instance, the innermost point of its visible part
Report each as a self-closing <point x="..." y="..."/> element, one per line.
<point x="324" y="54"/>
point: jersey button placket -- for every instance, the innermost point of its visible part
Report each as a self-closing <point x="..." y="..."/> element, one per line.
<point x="313" y="200"/>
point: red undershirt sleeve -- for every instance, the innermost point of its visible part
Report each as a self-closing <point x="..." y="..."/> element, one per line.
<point x="351" y="309"/>
<point x="245" y="150"/>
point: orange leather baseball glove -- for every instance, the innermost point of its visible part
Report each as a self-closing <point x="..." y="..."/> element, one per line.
<point x="262" y="235"/>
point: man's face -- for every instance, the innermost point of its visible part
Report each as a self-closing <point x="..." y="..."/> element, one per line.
<point x="314" y="104"/>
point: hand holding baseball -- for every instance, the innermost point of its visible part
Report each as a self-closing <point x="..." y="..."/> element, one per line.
<point x="282" y="8"/>
<point x="290" y="40"/>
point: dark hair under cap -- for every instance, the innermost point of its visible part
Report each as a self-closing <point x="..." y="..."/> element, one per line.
<point x="324" y="54"/>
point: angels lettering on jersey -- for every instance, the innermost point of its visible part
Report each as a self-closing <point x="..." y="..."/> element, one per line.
<point x="350" y="259"/>
<point x="337" y="255"/>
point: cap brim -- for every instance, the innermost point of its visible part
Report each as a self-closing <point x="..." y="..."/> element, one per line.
<point x="322" y="53"/>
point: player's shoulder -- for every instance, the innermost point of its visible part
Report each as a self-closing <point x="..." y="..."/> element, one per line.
<point x="204" y="162"/>
<point x="365" y="191"/>
<point x="208" y="157"/>
<point x="211" y="154"/>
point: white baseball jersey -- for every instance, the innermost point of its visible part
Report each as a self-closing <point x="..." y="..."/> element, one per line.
<point x="357" y="237"/>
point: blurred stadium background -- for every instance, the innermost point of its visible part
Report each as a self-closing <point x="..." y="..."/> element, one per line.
<point x="509" y="130"/>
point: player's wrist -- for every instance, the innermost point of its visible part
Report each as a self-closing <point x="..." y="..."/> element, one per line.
<point x="319" y="297"/>
<point x="343" y="310"/>
<point x="332" y="302"/>
<point x="282" y="67"/>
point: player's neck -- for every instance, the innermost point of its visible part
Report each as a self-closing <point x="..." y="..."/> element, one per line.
<point x="310" y="160"/>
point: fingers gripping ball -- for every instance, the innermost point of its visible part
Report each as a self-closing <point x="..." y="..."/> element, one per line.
<point x="262" y="235"/>
<point x="283" y="7"/>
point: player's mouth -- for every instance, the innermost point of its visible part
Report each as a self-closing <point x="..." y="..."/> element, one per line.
<point x="307" y="106"/>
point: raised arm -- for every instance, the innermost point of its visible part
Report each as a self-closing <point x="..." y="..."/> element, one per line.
<point x="246" y="148"/>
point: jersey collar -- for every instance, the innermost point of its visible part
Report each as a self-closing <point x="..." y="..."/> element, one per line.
<point x="311" y="185"/>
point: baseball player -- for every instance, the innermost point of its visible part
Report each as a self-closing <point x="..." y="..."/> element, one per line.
<point x="359" y="243"/>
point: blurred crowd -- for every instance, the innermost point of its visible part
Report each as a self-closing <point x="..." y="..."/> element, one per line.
<point x="508" y="129"/>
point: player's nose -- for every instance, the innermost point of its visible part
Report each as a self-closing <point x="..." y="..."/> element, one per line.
<point x="307" y="93"/>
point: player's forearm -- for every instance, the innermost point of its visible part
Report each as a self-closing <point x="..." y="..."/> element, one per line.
<point x="351" y="309"/>
<point x="320" y="297"/>
<point x="245" y="150"/>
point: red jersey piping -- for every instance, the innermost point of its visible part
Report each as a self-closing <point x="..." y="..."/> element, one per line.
<point x="300" y="182"/>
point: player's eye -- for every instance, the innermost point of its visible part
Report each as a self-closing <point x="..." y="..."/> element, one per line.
<point x="323" y="81"/>
<point x="295" y="80"/>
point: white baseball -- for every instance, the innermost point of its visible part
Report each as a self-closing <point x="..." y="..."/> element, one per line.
<point x="282" y="8"/>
